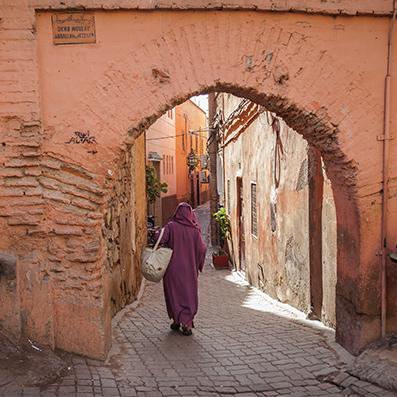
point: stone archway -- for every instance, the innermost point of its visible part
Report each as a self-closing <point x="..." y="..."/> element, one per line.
<point x="143" y="64"/>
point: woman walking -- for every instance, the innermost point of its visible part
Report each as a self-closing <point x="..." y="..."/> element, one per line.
<point x="183" y="235"/>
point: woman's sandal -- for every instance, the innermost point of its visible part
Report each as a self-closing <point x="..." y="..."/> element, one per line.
<point x="175" y="326"/>
<point x="186" y="331"/>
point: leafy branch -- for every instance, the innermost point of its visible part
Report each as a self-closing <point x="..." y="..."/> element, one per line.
<point x="223" y="220"/>
<point x="154" y="187"/>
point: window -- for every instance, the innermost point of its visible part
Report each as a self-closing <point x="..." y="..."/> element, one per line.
<point x="167" y="165"/>
<point x="185" y="131"/>
<point x="228" y="196"/>
<point x="254" y="215"/>
<point x="183" y="141"/>
<point x="170" y="114"/>
<point x="273" y="217"/>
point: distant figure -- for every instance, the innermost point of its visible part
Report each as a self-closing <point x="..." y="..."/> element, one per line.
<point x="182" y="233"/>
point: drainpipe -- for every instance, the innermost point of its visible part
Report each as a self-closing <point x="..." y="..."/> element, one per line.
<point x="386" y="156"/>
<point x="213" y="150"/>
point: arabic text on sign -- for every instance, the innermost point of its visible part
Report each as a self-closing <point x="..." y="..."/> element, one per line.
<point x="73" y="28"/>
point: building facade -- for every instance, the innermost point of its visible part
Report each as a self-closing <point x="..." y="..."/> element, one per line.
<point x="161" y="155"/>
<point x="191" y="142"/>
<point x="175" y="140"/>
<point x="283" y="218"/>
<point x="72" y="118"/>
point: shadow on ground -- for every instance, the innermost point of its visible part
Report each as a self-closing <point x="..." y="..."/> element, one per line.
<point x="28" y="365"/>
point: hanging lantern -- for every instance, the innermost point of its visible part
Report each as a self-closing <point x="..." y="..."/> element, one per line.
<point x="192" y="161"/>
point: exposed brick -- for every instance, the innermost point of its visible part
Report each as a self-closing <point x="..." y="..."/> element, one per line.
<point x="56" y="196"/>
<point x="68" y="230"/>
<point x="25" y="181"/>
<point x="23" y="220"/>
<point x="19" y="163"/>
<point x="333" y="96"/>
<point x="9" y="172"/>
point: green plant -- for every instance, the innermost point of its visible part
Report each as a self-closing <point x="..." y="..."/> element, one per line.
<point x="223" y="220"/>
<point x="154" y="187"/>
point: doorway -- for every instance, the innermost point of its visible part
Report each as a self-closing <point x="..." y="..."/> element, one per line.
<point x="155" y="209"/>
<point x="198" y="189"/>
<point x="240" y="218"/>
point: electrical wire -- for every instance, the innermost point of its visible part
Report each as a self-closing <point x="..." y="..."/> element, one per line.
<point x="175" y="136"/>
<point x="235" y="111"/>
<point x="164" y="137"/>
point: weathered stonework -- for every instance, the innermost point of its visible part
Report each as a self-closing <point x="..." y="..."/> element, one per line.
<point x="285" y="257"/>
<point x="124" y="236"/>
<point x="309" y="67"/>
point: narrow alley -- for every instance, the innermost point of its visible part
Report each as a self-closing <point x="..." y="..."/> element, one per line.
<point x="269" y="121"/>
<point x="244" y="344"/>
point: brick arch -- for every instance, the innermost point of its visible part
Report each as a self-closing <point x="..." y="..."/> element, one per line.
<point x="281" y="61"/>
<point x="321" y="134"/>
<point x="315" y="127"/>
<point x="309" y="117"/>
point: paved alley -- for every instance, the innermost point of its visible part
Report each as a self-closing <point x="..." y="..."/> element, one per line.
<point x="114" y="111"/>
<point x="244" y="344"/>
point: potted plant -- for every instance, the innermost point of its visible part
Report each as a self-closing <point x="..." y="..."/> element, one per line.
<point x="220" y="259"/>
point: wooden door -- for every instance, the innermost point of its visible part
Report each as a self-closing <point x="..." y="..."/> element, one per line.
<point x="198" y="189"/>
<point x="240" y="217"/>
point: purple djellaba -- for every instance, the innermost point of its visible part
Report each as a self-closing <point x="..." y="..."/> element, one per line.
<point x="183" y="235"/>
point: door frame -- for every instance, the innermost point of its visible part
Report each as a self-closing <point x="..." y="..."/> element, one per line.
<point x="240" y="223"/>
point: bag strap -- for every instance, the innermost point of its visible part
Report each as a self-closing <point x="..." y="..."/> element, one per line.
<point x="159" y="239"/>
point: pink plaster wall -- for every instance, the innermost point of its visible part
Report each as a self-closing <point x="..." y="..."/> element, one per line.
<point x="162" y="128"/>
<point x="275" y="261"/>
<point x="324" y="75"/>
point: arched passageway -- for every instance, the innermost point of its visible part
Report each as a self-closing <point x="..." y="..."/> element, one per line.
<point x="307" y="69"/>
<point x="280" y="204"/>
<point x="244" y="343"/>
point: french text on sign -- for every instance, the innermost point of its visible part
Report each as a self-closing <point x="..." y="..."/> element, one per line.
<point x="73" y="28"/>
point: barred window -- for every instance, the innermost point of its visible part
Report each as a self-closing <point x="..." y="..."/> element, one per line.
<point x="228" y="196"/>
<point x="254" y="215"/>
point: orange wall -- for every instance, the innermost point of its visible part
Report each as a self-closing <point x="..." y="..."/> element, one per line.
<point x="312" y="70"/>
<point x="189" y="117"/>
<point x="160" y="139"/>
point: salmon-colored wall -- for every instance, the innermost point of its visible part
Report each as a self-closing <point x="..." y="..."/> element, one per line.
<point x="164" y="128"/>
<point x="324" y="75"/>
<point x="189" y="117"/>
<point x="276" y="259"/>
<point x="160" y="138"/>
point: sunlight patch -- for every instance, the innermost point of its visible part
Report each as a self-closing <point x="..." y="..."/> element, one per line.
<point x="259" y="301"/>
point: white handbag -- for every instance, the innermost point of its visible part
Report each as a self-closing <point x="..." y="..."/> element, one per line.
<point x="154" y="261"/>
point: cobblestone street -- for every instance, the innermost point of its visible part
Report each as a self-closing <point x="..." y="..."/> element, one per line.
<point x="272" y="121"/>
<point x="244" y="344"/>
